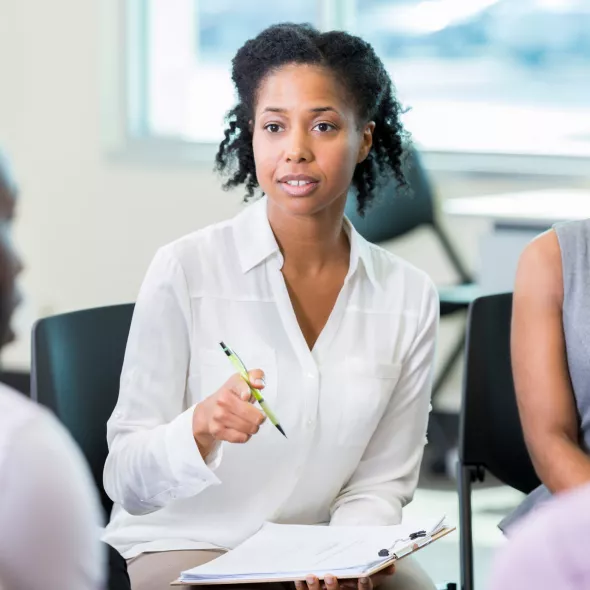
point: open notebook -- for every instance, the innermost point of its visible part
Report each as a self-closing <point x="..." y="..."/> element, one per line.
<point x="290" y="552"/>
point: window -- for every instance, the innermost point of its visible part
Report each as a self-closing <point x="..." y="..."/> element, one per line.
<point x="479" y="76"/>
<point x="189" y="45"/>
<point x="495" y="76"/>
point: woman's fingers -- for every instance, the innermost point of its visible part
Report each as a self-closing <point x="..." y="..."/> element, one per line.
<point x="313" y="583"/>
<point x="235" y="402"/>
<point x="256" y="378"/>
<point x="389" y="570"/>
<point x="249" y="424"/>
<point x="377" y="579"/>
<point x="331" y="583"/>
<point x="232" y="436"/>
<point x="238" y="386"/>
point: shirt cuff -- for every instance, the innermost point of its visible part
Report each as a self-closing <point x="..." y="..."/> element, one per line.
<point x="185" y="460"/>
<point x="214" y="458"/>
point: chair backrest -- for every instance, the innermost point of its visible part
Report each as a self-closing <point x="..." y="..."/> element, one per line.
<point x="395" y="213"/>
<point x="490" y="430"/>
<point x="76" y="366"/>
<point x="19" y="380"/>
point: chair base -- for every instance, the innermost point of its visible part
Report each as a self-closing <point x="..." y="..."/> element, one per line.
<point x="466" y="476"/>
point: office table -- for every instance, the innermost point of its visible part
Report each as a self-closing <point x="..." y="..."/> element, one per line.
<point x="516" y="218"/>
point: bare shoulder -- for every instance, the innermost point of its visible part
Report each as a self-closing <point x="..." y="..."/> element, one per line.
<point x="539" y="273"/>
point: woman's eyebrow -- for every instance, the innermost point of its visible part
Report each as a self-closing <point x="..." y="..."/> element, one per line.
<point x="324" y="110"/>
<point x="313" y="110"/>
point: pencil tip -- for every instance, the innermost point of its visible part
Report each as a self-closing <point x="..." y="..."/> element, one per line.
<point x="280" y="428"/>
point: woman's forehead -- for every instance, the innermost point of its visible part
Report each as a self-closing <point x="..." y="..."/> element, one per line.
<point x="297" y="87"/>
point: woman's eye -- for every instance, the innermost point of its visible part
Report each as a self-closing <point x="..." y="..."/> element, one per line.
<point x="273" y="128"/>
<point x="323" y="127"/>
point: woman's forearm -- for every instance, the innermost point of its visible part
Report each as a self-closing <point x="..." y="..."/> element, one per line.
<point x="561" y="463"/>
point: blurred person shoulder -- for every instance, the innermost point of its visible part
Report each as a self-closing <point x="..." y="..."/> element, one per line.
<point x="49" y="509"/>
<point x="549" y="549"/>
<point x="16" y="412"/>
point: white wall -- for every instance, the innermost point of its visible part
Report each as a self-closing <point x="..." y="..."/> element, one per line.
<point x="87" y="225"/>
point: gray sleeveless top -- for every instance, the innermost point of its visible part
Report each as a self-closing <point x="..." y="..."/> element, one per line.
<point x="574" y="243"/>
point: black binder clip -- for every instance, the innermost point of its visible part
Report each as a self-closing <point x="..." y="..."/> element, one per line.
<point x="412" y="537"/>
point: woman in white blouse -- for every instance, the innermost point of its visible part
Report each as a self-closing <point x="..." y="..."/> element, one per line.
<point x="338" y="332"/>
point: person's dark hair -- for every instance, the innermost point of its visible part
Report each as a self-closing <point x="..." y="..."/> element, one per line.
<point x="356" y="66"/>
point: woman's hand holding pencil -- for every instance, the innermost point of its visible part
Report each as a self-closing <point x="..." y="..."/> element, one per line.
<point x="228" y="415"/>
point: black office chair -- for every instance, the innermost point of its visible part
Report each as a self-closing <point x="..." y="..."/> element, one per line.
<point x="490" y="433"/>
<point x="394" y="214"/>
<point x="76" y="365"/>
<point x="18" y="380"/>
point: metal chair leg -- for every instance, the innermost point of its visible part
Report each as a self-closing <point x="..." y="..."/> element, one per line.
<point x="465" y="478"/>
<point x="443" y="439"/>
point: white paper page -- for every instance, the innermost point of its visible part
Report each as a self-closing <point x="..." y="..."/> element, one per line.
<point x="294" y="549"/>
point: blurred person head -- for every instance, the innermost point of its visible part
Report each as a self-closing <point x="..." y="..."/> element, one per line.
<point x="49" y="508"/>
<point x="10" y="262"/>
<point x="549" y="547"/>
<point x="311" y="104"/>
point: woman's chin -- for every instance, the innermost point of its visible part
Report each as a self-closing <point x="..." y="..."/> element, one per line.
<point x="300" y="205"/>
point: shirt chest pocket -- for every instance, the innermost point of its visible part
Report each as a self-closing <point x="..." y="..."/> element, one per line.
<point x="365" y="390"/>
<point x="211" y="369"/>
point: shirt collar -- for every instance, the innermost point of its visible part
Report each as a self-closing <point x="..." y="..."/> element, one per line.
<point x="360" y="253"/>
<point x="256" y="242"/>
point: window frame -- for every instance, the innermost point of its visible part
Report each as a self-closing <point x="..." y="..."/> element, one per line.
<point x="125" y="106"/>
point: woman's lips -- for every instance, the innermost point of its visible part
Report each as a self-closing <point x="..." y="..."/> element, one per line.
<point x="298" y="186"/>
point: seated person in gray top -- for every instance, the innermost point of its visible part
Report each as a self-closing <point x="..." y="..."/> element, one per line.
<point x="551" y="358"/>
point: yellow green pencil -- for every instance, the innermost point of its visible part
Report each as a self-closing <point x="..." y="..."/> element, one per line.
<point x="239" y="365"/>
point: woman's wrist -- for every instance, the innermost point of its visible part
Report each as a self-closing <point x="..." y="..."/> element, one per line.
<point x="204" y="440"/>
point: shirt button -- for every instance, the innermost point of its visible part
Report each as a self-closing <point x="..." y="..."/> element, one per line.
<point x="310" y="376"/>
<point x="310" y="423"/>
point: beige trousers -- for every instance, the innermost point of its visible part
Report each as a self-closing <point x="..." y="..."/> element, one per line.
<point x="155" y="571"/>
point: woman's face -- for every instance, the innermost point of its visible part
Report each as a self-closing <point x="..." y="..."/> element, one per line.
<point x="307" y="139"/>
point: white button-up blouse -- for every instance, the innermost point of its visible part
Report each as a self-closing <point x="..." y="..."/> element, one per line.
<point x="354" y="408"/>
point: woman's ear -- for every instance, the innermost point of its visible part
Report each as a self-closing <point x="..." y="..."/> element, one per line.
<point x="366" y="141"/>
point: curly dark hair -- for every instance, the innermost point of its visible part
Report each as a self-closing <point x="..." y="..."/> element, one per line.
<point x="355" y="65"/>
